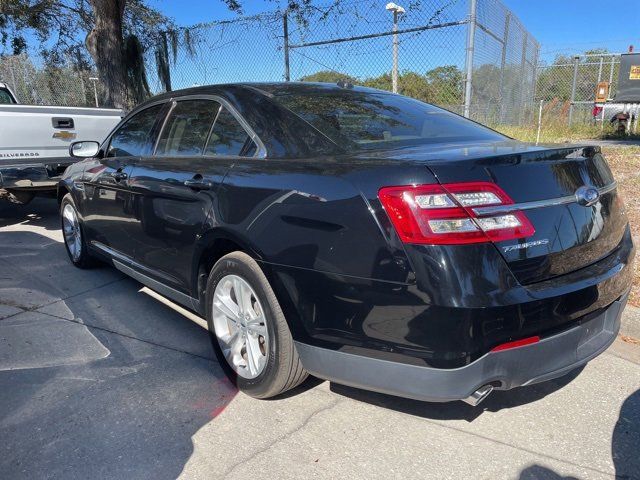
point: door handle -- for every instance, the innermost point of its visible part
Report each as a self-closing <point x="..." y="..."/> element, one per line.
<point x="197" y="184"/>
<point x="117" y="176"/>
<point x="62" y="122"/>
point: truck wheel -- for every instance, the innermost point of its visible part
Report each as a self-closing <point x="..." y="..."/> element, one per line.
<point x="74" y="240"/>
<point x="249" y="331"/>
<point x="19" y="197"/>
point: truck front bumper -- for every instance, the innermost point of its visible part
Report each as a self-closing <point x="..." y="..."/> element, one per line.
<point x="551" y="357"/>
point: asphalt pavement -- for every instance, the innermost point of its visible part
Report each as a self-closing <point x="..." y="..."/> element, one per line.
<point x="98" y="379"/>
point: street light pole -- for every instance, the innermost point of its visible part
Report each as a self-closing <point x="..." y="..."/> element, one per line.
<point x="397" y="10"/>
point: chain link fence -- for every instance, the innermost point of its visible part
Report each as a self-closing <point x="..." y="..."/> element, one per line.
<point x="474" y="58"/>
<point x="567" y="87"/>
<point x="35" y="84"/>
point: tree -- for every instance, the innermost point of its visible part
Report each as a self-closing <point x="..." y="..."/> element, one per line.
<point x="115" y="33"/>
<point x="411" y="84"/>
<point x="440" y="85"/>
<point x="109" y="30"/>
<point x="446" y="85"/>
<point x="555" y="81"/>
<point x="329" y="76"/>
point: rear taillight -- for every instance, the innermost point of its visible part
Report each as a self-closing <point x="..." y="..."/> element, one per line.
<point x="444" y="215"/>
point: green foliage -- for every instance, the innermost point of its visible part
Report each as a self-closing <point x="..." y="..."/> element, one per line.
<point x="410" y="84"/>
<point x="329" y="76"/>
<point x="440" y="86"/>
<point x="446" y="85"/>
<point x="555" y="81"/>
<point x="61" y="28"/>
<point x="48" y="84"/>
<point x="137" y="76"/>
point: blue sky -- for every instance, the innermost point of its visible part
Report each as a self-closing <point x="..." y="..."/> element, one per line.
<point x="561" y="26"/>
<point x="569" y="26"/>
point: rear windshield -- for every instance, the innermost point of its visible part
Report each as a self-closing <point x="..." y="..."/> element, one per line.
<point x="371" y="120"/>
<point x="5" y="96"/>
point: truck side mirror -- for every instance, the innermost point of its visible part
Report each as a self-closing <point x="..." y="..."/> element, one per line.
<point x="85" y="149"/>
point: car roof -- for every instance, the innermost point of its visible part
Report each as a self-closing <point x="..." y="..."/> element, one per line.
<point x="270" y="89"/>
<point x="307" y="88"/>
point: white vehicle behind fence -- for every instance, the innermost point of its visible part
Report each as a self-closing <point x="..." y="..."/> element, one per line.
<point x="34" y="142"/>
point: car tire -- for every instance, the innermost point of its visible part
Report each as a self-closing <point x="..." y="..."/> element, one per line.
<point x="73" y="234"/>
<point x="281" y="369"/>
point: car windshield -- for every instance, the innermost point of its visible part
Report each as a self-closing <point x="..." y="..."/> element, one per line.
<point x="5" y="97"/>
<point x="356" y="119"/>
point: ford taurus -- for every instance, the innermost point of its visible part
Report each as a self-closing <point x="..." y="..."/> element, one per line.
<point x="359" y="236"/>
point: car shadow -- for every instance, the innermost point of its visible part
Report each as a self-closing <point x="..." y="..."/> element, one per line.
<point x="625" y="443"/>
<point x="132" y="413"/>
<point x="539" y="472"/>
<point x="498" y="400"/>
<point x="40" y="212"/>
<point x="97" y="379"/>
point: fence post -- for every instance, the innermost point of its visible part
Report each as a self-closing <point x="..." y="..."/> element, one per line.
<point x="613" y="62"/>
<point x="600" y="69"/>
<point x="503" y="62"/>
<point x="534" y="75"/>
<point x="471" y="35"/>
<point x="285" y="27"/>
<point x="523" y="80"/>
<point x="576" y="59"/>
<point x="539" y="122"/>
<point x="83" y="89"/>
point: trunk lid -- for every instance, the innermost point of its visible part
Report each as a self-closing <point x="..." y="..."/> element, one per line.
<point x="556" y="187"/>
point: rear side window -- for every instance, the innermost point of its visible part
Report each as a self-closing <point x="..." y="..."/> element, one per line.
<point x="370" y="120"/>
<point x="228" y="137"/>
<point x="5" y="97"/>
<point x="187" y="128"/>
<point x="134" y="137"/>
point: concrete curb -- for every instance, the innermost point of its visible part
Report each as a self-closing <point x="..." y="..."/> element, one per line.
<point x="630" y="322"/>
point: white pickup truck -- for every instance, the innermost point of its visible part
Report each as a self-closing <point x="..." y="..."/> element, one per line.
<point x="34" y="143"/>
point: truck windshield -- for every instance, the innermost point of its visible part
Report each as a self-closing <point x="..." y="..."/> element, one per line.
<point x="354" y="119"/>
<point x="5" y="97"/>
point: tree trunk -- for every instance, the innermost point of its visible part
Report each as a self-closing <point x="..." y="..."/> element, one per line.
<point x="106" y="45"/>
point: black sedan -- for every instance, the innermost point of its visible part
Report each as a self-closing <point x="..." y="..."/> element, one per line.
<point x="359" y="236"/>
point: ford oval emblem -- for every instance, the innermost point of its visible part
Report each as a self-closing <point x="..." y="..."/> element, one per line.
<point x="587" y="196"/>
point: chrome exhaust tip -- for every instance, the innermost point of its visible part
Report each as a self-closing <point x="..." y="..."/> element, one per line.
<point x="478" y="396"/>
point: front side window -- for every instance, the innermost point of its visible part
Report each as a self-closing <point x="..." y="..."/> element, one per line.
<point x="5" y="97"/>
<point x="134" y="137"/>
<point x="187" y="128"/>
<point x="228" y="137"/>
<point x="356" y="120"/>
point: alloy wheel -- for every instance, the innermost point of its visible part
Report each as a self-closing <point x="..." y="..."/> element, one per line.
<point x="240" y="326"/>
<point x="71" y="232"/>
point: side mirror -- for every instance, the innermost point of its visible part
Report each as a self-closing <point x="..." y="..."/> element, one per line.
<point x="86" y="149"/>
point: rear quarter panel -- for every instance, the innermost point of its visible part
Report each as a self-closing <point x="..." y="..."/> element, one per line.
<point x="315" y="214"/>
<point x="319" y="233"/>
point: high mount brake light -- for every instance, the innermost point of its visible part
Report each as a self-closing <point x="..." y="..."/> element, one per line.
<point x="443" y="214"/>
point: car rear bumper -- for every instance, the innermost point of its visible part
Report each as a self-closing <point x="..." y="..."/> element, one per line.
<point x="29" y="175"/>
<point x="551" y="357"/>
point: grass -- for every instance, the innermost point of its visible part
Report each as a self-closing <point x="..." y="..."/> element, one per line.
<point x="561" y="133"/>
<point x="623" y="160"/>
<point x="625" y="164"/>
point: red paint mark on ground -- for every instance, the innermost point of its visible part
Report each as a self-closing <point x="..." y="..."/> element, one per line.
<point x="222" y="393"/>
<point x="218" y="410"/>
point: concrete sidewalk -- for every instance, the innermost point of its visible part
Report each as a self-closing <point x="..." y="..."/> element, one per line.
<point x="99" y="380"/>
